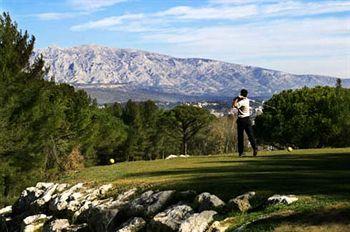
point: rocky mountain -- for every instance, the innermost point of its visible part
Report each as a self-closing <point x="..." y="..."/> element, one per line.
<point x="112" y="74"/>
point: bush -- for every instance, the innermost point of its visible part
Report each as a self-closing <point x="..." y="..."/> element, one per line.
<point x="74" y="161"/>
<point x="306" y="118"/>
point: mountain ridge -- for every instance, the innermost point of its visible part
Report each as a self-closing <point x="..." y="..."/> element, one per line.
<point x="110" y="73"/>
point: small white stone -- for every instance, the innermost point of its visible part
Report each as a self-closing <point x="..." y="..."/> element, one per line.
<point x="283" y="199"/>
<point x="6" y="210"/>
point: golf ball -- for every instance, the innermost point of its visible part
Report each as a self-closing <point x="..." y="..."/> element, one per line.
<point x="290" y="149"/>
<point x="111" y="161"/>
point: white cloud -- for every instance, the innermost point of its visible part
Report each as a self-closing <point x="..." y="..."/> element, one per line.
<point x="222" y="13"/>
<point x="233" y="2"/>
<point x="92" y="5"/>
<point x="108" y="22"/>
<point x="57" y="16"/>
<point x="80" y="7"/>
<point x="217" y="13"/>
<point x="298" y="8"/>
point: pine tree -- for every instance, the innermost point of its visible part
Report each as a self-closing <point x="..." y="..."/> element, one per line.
<point x="184" y="122"/>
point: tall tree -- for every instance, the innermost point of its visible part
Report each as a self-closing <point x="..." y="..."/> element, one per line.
<point x="20" y="84"/>
<point x="184" y="122"/>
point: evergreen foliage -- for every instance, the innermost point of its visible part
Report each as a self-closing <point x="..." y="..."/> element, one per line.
<point x="184" y="122"/>
<point x="306" y="118"/>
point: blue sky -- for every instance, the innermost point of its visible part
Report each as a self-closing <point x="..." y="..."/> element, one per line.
<point x="290" y="35"/>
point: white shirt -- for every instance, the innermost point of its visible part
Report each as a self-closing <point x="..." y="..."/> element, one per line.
<point x="243" y="108"/>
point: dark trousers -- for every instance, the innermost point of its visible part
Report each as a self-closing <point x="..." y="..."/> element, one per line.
<point x="244" y="124"/>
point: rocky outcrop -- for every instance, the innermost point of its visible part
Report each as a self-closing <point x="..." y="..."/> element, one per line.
<point x="198" y="222"/>
<point x="171" y="218"/>
<point x="133" y="225"/>
<point x="51" y="207"/>
<point x="34" y="223"/>
<point x="100" y="215"/>
<point x="150" y="202"/>
<point x="207" y="201"/>
<point x="241" y="202"/>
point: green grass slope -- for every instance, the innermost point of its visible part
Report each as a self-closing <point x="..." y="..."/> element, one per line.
<point x="320" y="177"/>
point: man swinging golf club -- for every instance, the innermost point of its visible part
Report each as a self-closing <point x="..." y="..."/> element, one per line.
<point x="243" y="122"/>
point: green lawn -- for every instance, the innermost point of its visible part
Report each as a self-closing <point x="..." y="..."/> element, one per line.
<point x="320" y="177"/>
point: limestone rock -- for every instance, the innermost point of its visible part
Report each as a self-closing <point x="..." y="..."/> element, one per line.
<point x="282" y="199"/>
<point x="77" y="228"/>
<point x="150" y="203"/>
<point x="207" y="201"/>
<point x="61" y="187"/>
<point x="63" y="225"/>
<point x="56" y="225"/>
<point x="27" y="197"/>
<point x="44" y="185"/>
<point x="218" y="226"/>
<point x="46" y="196"/>
<point x="104" y="189"/>
<point x="125" y="196"/>
<point x="6" y="210"/>
<point x="171" y="218"/>
<point x="133" y="225"/>
<point x="62" y="201"/>
<point x="101" y="214"/>
<point x="241" y="202"/>
<point x="34" y="223"/>
<point x="198" y="222"/>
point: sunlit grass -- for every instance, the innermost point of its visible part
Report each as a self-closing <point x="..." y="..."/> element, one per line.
<point x="320" y="177"/>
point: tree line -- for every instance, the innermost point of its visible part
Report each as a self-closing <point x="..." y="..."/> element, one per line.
<point x="47" y="128"/>
<point x="306" y="118"/>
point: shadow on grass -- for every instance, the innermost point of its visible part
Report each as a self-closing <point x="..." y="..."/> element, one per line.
<point x="285" y="174"/>
<point x="338" y="216"/>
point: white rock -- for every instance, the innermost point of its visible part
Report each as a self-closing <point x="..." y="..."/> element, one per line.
<point x="34" y="218"/>
<point x="104" y="189"/>
<point x="242" y="202"/>
<point x="171" y="157"/>
<point x="133" y="225"/>
<point x="198" y="222"/>
<point x="282" y="199"/>
<point x="6" y="210"/>
<point x="44" y="185"/>
<point x="34" y="223"/>
<point x="125" y="196"/>
<point x="61" y="187"/>
<point x="171" y="218"/>
<point x="46" y="196"/>
<point x="101" y="213"/>
<point x="62" y="200"/>
<point x="150" y="202"/>
<point x="218" y="226"/>
<point x="56" y="225"/>
<point x="207" y="201"/>
<point x="33" y="191"/>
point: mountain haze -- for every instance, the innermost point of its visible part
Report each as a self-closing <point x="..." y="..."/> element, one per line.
<point x="112" y="74"/>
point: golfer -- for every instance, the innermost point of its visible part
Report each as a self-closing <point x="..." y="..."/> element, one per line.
<point x="243" y="122"/>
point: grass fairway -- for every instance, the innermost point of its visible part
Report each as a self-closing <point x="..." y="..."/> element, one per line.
<point x="320" y="177"/>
